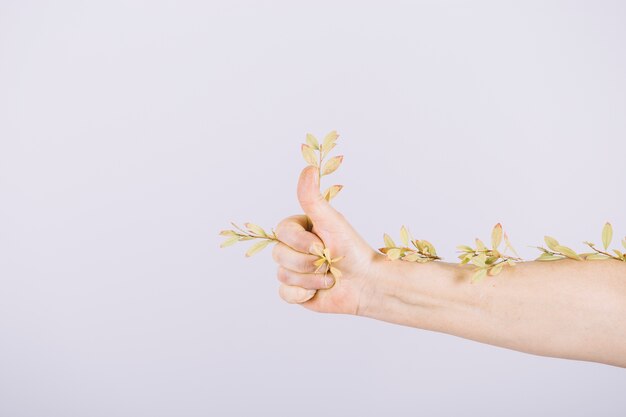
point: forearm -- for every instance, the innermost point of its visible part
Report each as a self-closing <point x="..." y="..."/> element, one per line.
<point x="567" y="308"/>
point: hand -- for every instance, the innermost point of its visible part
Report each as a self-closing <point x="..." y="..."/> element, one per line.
<point x="322" y="225"/>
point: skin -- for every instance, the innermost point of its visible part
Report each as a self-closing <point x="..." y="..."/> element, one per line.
<point x="566" y="309"/>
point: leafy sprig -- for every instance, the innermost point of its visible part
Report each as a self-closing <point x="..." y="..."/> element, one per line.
<point x="314" y="153"/>
<point x="556" y="251"/>
<point x="488" y="261"/>
<point x="422" y="250"/>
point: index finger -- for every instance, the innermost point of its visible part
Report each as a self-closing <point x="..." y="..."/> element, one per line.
<point x="294" y="232"/>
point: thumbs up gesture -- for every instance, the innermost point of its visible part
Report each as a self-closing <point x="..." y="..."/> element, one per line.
<point x="302" y="236"/>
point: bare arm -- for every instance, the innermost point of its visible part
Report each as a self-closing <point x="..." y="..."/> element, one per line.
<point x="566" y="308"/>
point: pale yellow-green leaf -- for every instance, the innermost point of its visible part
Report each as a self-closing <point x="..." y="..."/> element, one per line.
<point x="491" y="260"/>
<point x="511" y="262"/>
<point x="257" y="247"/>
<point x="464" y="261"/>
<point x="332" y="164"/>
<point x="404" y="236"/>
<point x="393" y="254"/>
<point x="419" y="244"/>
<point x="479" y="274"/>
<point x="312" y="141"/>
<point x="431" y="248"/>
<point x="326" y="149"/>
<point x="411" y="257"/>
<point x="336" y="272"/>
<point x="551" y="242"/>
<point x="496" y="269"/>
<point x="480" y="245"/>
<point x="624" y="243"/>
<point x="496" y="236"/>
<point x="479" y="260"/>
<point x="230" y="241"/>
<point x="548" y="257"/>
<point x="319" y="262"/>
<point x="568" y="252"/>
<point x="509" y="246"/>
<point x="618" y="253"/>
<point x="329" y="139"/>
<point x="465" y="248"/>
<point x="326" y="253"/>
<point x="596" y="256"/>
<point x="309" y="155"/>
<point x="228" y="233"/>
<point x="607" y="235"/>
<point x="338" y="259"/>
<point x="255" y="229"/>
<point x="332" y="191"/>
<point x="389" y="241"/>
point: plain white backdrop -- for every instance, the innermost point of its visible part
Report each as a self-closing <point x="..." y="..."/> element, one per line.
<point x="131" y="132"/>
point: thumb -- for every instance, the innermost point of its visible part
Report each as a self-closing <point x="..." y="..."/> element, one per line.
<point x="321" y="213"/>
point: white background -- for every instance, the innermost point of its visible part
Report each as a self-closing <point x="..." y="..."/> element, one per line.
<point x="132" y="132"/>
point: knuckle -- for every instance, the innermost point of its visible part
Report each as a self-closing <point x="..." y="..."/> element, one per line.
<point x="282" y="274"/>
<point x="305" y="265"/>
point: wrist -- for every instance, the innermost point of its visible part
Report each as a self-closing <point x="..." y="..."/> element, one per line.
<point x="433" y="295"/>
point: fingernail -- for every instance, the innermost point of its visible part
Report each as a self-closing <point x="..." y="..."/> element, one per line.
<point x="329" y="281"/>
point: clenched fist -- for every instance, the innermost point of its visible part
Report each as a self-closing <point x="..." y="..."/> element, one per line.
<point x="321" y="225"/>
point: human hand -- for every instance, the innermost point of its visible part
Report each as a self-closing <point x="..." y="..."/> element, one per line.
<point x="321" y="225"/>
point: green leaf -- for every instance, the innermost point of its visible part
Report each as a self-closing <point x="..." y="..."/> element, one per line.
<point x="568" y="252"/>
<point x="479" y="274"/>
<point x="389" y="241"/>
<point x="480" y="245"/>
<point x="551" y="242"/>
<point x="393" y="254"/>
<point x="255" y="229"/>
<point x="411" y="257"/>
<point x="618" y="253"/>
<point x="332" y="164"/>
<point x="228" y="233"/>
<point x="496" y="236"/>
<point x="465" y="248"/>
<point x="596" y="256"/>
<point x="329" y="140"/>
<point x="257" y="247"/>
<point x="431" y="248"/>
<point x="508" y="245"/>
<point x="607" y="235"/>
<point x="491" y="260"/>
<point x="309" y="155"/>
<point x="495" y="270"/>
<point x="319" y="262"/>
<point x="404" y="236"/>
<point x="479" y="260"/>
<point x="230" y="241"/>
<point x="325" y="150"/>
<point x="332" y="191"/>
<point x="547" y="257"/>
<point x="312" y="141"/>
